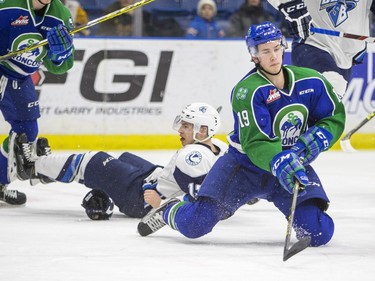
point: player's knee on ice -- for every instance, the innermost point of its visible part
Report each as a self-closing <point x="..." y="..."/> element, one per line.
<point x="197" y="219"/>
<point x="311" y="220"/>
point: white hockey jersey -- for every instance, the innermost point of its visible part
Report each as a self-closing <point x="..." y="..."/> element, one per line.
<point x="188" y="167"/>
<point x="350" y="16"/>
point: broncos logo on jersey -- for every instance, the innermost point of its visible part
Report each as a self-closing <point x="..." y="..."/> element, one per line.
<point x="289" y="125"/>
<point x="338" y="9"/>
<point x="33" y="58"/>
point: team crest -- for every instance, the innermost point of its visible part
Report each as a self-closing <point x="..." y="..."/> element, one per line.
<point x="193" y="158"/>
<point x="242" y="93"/>
<point x="274" y="95"/>
<point x="291" y="127"/>
<point x="34" y="57"/>
<point x="338" y="11"/>
<point x="289" y="123"/>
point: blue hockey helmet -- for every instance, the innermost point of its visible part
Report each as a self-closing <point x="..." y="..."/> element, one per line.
<point x="263" y="33"/>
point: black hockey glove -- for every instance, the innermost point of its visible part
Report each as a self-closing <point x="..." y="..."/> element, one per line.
<point x="98" y="205"/>
<point x="297" y="17"/>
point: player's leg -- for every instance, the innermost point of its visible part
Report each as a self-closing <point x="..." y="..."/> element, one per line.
<point x="194" y="220"/>
<point x="20" y="108"/>
<point x="226" y="187"/>
<point x="121" y="179"/>
<point x="310" y="217"/>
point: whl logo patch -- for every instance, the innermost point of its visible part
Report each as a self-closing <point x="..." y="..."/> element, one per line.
<point x="22" y="20"/>
<point x="274" y="95"/>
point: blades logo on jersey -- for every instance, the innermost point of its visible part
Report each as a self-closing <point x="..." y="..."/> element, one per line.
<point x="338" y="10"/>
<point x="193" y="158"/>
<point x="273" y="95"/>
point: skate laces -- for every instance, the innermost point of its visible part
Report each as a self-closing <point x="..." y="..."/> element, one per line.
<point x="156" y="222"/>
<point x="47" y="150"/>
<point x="27" y="153"/>
<point x="10" y="193"/>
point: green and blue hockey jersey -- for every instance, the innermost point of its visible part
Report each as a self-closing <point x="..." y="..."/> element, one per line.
<point x="20" y="27"/>
<point x="268" y="120"/>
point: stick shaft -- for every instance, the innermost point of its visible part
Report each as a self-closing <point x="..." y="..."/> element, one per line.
<point x="291" y="216"/>
<point x="80" y="28"/>
<point x="343" y="34"/>
<point x="360" y="125"/>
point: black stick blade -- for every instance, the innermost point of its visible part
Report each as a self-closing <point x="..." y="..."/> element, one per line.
<point x="297" y="247"/>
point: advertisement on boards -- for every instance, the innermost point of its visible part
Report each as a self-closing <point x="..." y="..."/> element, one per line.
<point x="138" y="86"/>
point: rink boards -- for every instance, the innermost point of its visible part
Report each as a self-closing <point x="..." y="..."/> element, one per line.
<point x="125" y="93"/>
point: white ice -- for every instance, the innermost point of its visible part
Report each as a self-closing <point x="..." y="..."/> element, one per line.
<point x="51" y="239"/>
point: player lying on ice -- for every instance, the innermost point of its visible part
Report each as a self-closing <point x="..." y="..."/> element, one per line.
<point x="284" y="117"/>
<point x="134" y="184"/>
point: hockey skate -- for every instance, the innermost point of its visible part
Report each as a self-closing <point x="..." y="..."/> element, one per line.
<point x="153" y="221"/>
<point x="42" y="149"/>
<point x="20" y="158"/>
<point x="12" y="197"/>
<point x="25" y="154"/>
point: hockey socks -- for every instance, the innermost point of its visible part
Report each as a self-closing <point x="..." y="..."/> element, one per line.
<point x="170" y="213"/>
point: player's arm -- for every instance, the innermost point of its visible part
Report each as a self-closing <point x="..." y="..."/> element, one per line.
<point x="254" y="125"/>
<point x="296" y="15"/>
<point x="326" y="123"/>
<point x="329" y="112"/>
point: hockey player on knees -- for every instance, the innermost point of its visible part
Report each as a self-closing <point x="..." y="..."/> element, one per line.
<point x="134" y="184"/>
<point x="284" y="117"/>
<point x="23" y="23"/>
<point x="333" y="56"/>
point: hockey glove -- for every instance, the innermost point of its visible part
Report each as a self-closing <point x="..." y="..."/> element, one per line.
<point x="150" y="185"/>
<point x="286" y="166"/>
<point x="151" y="195"/>
<point x="311" y="143"/>
<point x="98" y="205"/>
<point x="297" y="17"/>
<point x="60" y="44"/>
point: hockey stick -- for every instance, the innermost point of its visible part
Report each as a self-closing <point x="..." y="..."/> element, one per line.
<point x="367" y="39"/>
<point x="301" y="244"/>
<point x="79" y="28"/>
<point x="345" y="141"/>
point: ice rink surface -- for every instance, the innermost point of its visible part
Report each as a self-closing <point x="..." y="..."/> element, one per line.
<point x="51" y="239"/>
